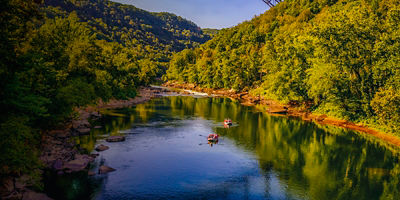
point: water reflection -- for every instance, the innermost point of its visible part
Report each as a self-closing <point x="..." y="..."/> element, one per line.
<point x="261" y="156"/>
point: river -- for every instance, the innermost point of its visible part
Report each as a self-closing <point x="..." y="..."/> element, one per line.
<point x="166" y="156"/>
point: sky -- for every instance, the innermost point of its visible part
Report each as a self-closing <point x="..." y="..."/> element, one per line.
<point x="205" y="13"/>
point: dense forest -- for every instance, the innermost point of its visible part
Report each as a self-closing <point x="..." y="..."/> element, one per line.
<point x="57" y="55"/>
<point x="132" y="26"/>
<point x="210" y="31"/>
<point x="340" y="55"/>
<point x="60" y="55"/>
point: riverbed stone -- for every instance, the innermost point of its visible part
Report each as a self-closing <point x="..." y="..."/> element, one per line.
<point x="75" y="166"/>
<point x="321" y="118"/>
<point x="78" y="164"/>
<point x="84" y="157"/>
<point x="15" y="195"/>
<point x="61" y="134"/>
<point x="95" y="115"/>
<point x="58" y="165"/>
<point x="7" y="186"/>
<point x="32" y="195"/>
<point x="277" y="110"/>
<point x="84" y="123"/>
<point x="23" y="181"/>
<point x="83" y="131"/>
<point x="94" y="155"/>
<point x="105" y="169"/>
<point x="102" y="147"/>
<point x="115" y="139"/>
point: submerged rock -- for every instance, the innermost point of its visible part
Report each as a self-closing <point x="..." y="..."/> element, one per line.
<point x="102" y="147"/>
<point x="105" y="169"/>
<point x="115" y="139"/>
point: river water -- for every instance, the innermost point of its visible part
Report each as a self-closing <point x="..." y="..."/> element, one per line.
<point x="166" y="156"/>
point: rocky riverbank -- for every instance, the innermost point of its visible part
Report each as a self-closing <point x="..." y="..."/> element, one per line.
<point x="61" y="155"/>
<point x="59" y="152"/>
<point x="292" y="109"/>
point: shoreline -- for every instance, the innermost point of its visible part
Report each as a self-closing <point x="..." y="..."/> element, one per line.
<point x="275" y="108"/>
<point x="59" y="152"/>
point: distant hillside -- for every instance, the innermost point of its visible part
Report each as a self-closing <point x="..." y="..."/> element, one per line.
<point x="210" y="31"/>
<point x="128" y="24"/>
<point x="59" y="55"/>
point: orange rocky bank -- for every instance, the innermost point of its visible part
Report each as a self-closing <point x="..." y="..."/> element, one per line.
<point x="275" y="108"/>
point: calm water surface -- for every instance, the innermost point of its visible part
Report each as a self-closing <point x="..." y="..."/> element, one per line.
<point x="166" y="156"/>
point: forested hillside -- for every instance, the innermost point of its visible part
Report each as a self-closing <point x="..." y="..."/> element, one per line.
<point x="127" y="24"/>
<point x="342" y="55"/>
<point x="61" y="55"/>
<point x="210" y="31"/>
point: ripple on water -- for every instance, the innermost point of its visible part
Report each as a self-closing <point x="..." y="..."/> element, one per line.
<point x="166" y="156"/>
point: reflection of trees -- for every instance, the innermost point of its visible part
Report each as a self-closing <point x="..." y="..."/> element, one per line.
<point x="319" y="162"/>
<point x="326" y="164"/>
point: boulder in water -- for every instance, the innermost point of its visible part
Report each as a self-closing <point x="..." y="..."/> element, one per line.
<point x="115" y="139"/>
<point x="79" y="164"/>
<point x="105" y="169"/>
<point x="102" y="147"/>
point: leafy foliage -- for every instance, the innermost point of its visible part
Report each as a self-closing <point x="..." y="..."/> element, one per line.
<point x="210" y="31"/>
<point x="342" y="55"/>
<point x="62" y="55"/>
<point x="126" y="24"/>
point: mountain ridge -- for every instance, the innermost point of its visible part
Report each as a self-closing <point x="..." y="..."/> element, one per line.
<point x="124" y="23"/>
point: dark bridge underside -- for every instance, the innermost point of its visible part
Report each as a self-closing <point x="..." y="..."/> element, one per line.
<point x="272" y="3"/>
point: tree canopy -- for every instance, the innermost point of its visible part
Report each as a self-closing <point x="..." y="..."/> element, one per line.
<point x="341" y="55"/>
<point x="62" y="55"/>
